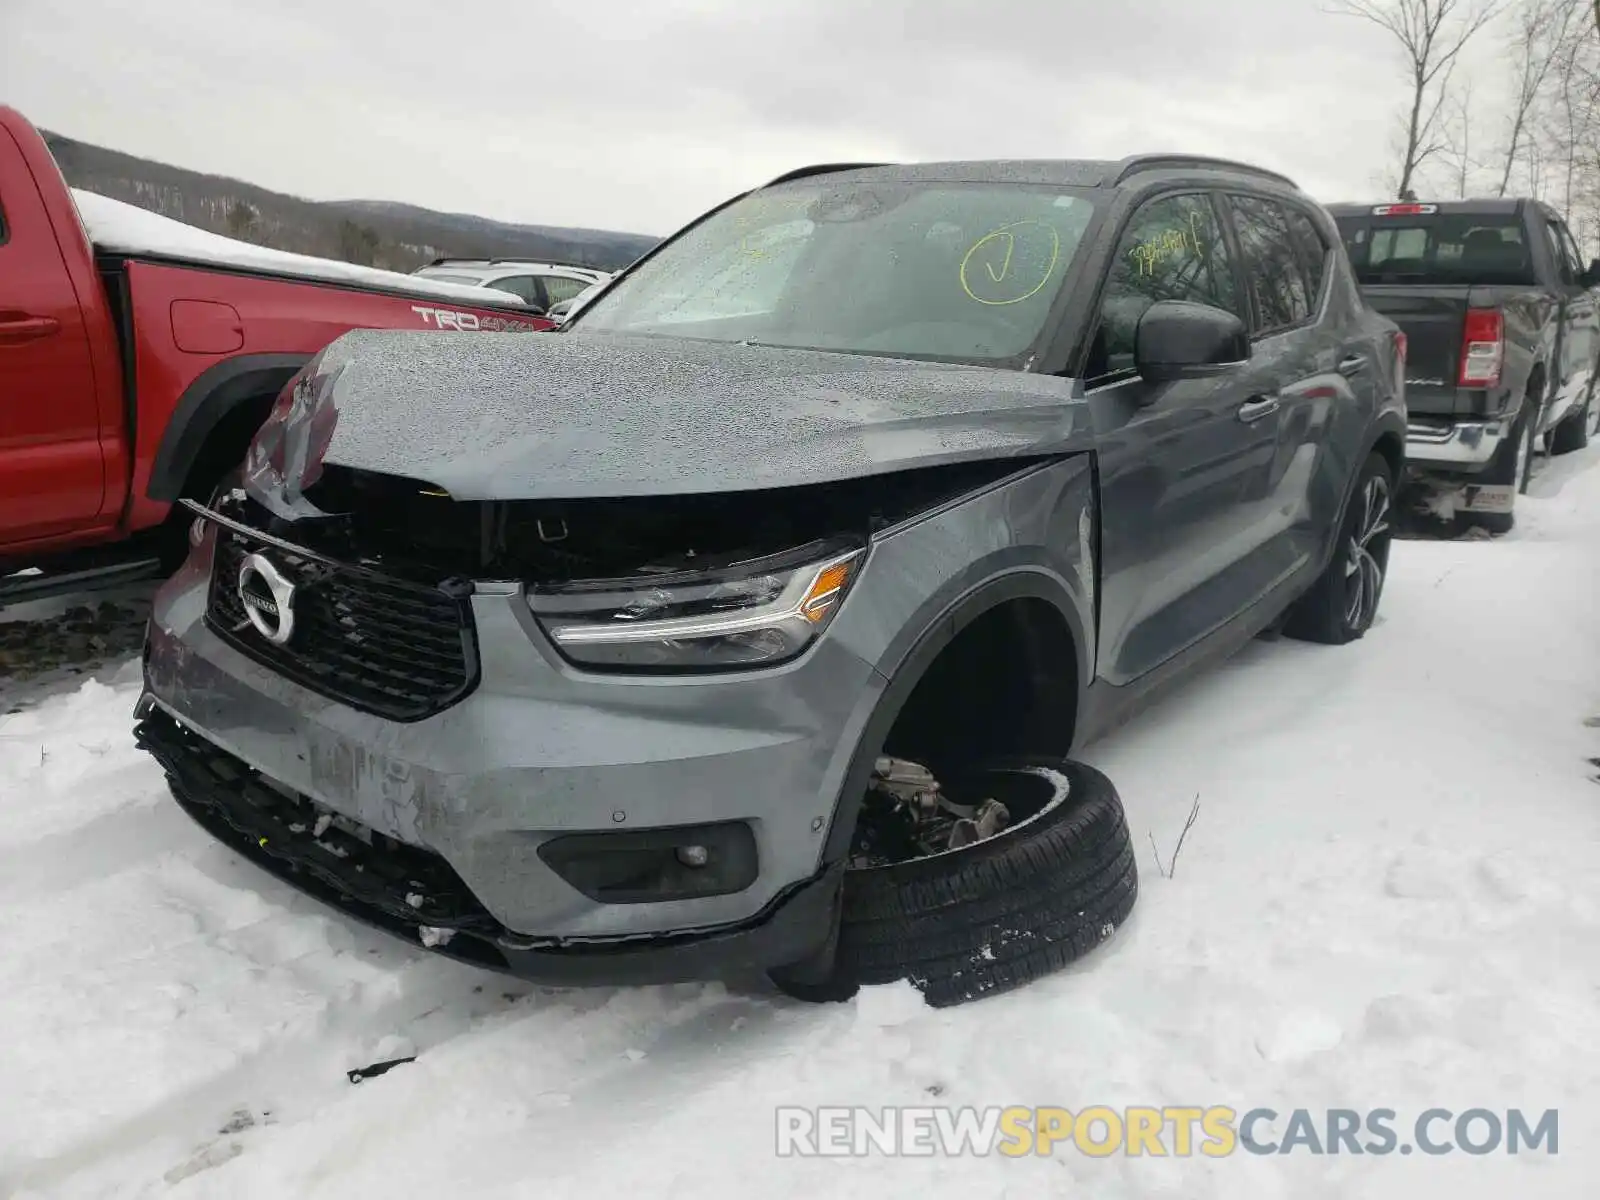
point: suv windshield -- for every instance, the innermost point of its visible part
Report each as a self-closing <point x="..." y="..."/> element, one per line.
<point x="1437" y="248"/>
<point x="952" y="272"/>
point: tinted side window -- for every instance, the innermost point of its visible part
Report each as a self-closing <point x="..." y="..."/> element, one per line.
<point x="1172" y="249"/>
<point x="560" y="287"/>
<point x="525" y="286"/>
<point x="1313" y="252"/>
<point x="1271" y="262"/>
<point x="1574" y="259"/>
<point x="1558" y="254"/>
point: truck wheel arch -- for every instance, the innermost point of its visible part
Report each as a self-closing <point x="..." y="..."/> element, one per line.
<point x="228" y="389"/>
<point x="1004" y="591"/>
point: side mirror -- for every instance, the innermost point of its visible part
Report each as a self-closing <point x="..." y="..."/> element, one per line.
<point x="1591" y="276"/>
<point x="1177" y="339"/>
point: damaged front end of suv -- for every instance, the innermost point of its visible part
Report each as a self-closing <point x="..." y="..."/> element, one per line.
<point x="575" y="736"/>
<point x="610" y="656"/>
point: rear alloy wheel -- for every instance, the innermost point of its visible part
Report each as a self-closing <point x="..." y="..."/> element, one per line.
<point x="1366" y="556"/>
<point x="977" y="884"/>
<point x="1342" y="604"/>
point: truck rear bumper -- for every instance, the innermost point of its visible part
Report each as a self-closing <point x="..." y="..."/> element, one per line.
<point x="1458" y="446"/>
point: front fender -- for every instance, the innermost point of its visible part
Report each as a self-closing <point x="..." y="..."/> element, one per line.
<point x="1034" y="535"/>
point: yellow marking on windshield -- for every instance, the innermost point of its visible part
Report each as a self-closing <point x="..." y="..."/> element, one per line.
<point x="996" y="250"/>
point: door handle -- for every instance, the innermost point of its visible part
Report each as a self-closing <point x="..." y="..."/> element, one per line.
<point x="1257" y="407"/>
<point x="23" y="328"/>
<point x="1353" y="365"/>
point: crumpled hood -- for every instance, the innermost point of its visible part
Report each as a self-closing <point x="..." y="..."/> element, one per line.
<point x="570" y="415"/>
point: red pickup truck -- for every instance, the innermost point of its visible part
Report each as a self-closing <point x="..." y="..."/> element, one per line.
<point x="138" y="356"/>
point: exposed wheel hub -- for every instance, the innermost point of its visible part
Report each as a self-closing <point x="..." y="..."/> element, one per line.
<point x="907" y="815"/>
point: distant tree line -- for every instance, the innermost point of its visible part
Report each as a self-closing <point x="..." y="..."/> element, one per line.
<point x="374" y="233"/>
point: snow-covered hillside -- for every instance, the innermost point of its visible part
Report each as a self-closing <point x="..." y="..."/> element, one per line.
<point x="1390" y="898"/>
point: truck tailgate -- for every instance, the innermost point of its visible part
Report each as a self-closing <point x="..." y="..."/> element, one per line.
<point x="1431" y="317"/>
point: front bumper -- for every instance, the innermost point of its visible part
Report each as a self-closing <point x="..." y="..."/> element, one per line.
<point x="416" y="896"/>
<point x="1458" y="446"/>
<point x="537" y="752"/>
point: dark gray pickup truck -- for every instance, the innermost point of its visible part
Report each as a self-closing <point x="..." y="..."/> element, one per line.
<point x="1502" y="337"/>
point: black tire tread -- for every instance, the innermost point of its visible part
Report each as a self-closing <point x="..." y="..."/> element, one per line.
<point x="1090" y="816"/>
<point x="927" y="944"/>
<point x="1004" y="902"/>
<point x="1005" y="973"/>
<point x="1003" y="912"/>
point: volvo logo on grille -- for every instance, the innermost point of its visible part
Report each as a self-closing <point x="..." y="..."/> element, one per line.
<point x="268" y="598"/>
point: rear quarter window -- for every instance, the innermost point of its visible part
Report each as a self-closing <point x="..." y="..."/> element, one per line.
<point x="1313" y="252"/>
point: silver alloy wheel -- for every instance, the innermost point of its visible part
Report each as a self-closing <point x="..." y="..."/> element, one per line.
<point x="1366" y="553"/>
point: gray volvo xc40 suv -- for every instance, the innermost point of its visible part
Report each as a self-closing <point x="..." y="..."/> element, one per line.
<point x="585" y="654"/>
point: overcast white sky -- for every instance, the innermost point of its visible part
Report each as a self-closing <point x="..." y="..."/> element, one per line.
<point x="638" y="114"/>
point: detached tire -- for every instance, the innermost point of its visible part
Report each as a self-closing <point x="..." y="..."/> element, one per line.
<point x="997" y="914"/>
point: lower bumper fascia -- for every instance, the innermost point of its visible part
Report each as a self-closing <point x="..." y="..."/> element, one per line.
<point x="1460" y="446"/>
<point x="426" y="904"/>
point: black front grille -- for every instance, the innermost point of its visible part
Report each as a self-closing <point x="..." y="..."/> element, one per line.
<point x="385" y="646"/>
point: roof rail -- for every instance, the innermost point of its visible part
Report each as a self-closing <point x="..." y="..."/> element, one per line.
<point x="820" y="169"/>
<point x="1163" y="162"/>
<point x="496" y="262"/>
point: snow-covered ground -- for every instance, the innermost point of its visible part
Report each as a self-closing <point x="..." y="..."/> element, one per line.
<point x="1390" y="898"/>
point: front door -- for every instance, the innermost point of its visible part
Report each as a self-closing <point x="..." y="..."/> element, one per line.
<point x="1177" y="460"/>
<point x="52" y="474"/>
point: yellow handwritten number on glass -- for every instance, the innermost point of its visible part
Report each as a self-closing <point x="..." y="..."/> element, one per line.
<point x="1005" y="238"/>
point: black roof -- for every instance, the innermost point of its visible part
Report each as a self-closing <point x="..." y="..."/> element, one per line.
<point x="1079" y="172"/>
<point x="1487" y="206"/>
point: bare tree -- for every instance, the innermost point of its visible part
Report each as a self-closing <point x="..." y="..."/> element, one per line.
<point x="1457" y="136"/>
<point x="1537" y="44"/>
<point x="1576" y="104"/>
<point x="1432" y="34"/>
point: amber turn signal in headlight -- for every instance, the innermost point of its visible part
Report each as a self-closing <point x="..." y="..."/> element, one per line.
<point x="753" y="614"/>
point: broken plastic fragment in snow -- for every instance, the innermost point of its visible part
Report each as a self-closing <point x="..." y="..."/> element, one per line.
<point x="432" y="935"/>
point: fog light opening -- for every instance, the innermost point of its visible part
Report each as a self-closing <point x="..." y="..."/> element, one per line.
<point x="694" y="855"/>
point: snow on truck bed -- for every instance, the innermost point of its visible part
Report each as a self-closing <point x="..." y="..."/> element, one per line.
<point x="1390" y="899"/>
<point x="127" y="229"/>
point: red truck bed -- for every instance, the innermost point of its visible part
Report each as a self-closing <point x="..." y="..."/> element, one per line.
<point x="135" y="371"/>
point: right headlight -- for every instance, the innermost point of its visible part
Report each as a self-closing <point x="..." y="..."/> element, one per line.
<point x="753" y="614"/>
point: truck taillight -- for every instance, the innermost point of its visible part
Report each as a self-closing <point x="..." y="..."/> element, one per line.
<point x="1483" y="347"/>
<point x="1400" y="351"/>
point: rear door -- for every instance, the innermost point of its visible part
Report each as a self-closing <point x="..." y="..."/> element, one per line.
<point x="1297" y="360"/>
<point x="52" y="473"/>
